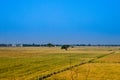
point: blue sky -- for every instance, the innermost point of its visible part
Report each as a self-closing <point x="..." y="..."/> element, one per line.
<point x="60" y="21"/>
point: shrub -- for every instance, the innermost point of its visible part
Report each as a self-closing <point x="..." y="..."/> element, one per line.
<point x="65" y="47"/>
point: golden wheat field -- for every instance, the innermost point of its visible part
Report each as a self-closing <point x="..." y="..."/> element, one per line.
<point x="32" y="63"/>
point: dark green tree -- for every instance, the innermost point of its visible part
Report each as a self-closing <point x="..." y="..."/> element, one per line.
<point x="65" y="47"/>
<point x="50" y="45"/>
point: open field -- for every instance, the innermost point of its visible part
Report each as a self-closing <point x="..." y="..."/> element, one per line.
<point x="32" y="63"/>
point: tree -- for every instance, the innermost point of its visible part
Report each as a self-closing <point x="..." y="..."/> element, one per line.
<point x="50" y="45"/>
<point x="65" y="47"/>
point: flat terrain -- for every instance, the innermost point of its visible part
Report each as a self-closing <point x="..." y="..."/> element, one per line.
<point x="33" y="63"/>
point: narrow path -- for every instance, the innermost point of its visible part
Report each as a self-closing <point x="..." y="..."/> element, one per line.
<point x="69" y="68"/>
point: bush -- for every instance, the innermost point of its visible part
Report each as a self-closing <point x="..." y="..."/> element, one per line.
<point x="50" y="45"/>
<point x="65" y="47"/>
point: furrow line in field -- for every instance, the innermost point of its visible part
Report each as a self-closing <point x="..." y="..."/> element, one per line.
<point x="69" y="68"/>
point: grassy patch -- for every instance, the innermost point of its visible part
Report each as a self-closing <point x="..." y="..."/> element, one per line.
<point x="27" y="63"/>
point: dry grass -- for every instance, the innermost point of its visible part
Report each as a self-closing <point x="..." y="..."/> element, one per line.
<point x="114" y="58"/>
<point x="98" y="71"/>
<point x="27" y="63"/>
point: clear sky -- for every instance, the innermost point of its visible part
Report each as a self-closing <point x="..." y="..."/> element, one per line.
<point x="60" y="21"/>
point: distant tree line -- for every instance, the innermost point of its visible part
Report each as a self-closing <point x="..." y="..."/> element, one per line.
<point x="6" y="45"/>
<point x="52" y="45"/>
<point x="39" y="45"/>
<point x="30" y="45"/>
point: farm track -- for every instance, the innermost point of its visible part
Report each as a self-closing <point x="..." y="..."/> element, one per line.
<point x="73" y="66"/>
